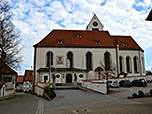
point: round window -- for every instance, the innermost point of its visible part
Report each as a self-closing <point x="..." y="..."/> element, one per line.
<point x="58" y="76"/>
<point x="81" y="75"/>
<point x="95" y="24"/>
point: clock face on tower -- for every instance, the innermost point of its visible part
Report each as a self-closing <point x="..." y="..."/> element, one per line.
<point x="95" y="24"/>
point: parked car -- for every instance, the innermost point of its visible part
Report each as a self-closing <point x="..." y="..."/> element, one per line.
<point x="114" y="83"/>
<point x="139" y="83"/>
<point x="135" y="83"/>
<point x="19" y="87"/>
<point x="27" y="86"/>
<point x="142" y="83"/>
<point x="125" y="83"/>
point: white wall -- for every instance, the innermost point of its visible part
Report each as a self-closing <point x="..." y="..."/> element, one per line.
<point x="96" y="86"/>
<point x="62" y="79"/>
<point x="132" y="54"/>
<point x="6" y="94"/>
<point x="79" y="56"/>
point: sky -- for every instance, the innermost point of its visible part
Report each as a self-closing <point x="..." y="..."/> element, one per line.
<point x="36" y="18"/>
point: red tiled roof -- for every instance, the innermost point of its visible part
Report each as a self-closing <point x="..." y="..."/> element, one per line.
<point x="20" y="78"/>
<point x="28" y="75"/>
<point x="127" y="43"/>
<point x="7" y="70"/>
<point x="70" y="39"/>
<point x="88" y="39"/>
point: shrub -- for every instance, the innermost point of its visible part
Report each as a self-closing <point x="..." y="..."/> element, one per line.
<point x="134" y="95"/>
<point x="141" y="94"/>
<point x="52" y="94"/>
<point x="151" y="92"/>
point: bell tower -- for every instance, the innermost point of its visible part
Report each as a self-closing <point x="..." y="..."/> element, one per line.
<point x="95" y="24"/>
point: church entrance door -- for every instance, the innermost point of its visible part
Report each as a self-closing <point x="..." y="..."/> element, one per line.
<point x="69" y="78"/>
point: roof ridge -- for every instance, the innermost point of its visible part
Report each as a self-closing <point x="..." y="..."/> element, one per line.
<point x="120" y="36"/>
<point x="78" y="30"/>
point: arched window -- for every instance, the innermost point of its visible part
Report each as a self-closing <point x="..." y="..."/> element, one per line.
<point x="135" y="59"/>
<point x="128" y="63"/>
<point x="121" y="65"/>
<point x="70" y="58"/>
<point x="89" y="61"/>
<point x="49" y="59"/>
<point x="107" y="60"/>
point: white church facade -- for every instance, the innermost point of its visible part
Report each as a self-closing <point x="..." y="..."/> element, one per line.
<point x="77" y="53"/>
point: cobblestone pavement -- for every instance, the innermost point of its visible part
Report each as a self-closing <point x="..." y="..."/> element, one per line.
<point x="116" y="102"/>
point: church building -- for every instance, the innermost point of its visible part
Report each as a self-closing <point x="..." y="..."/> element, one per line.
<point x="67" y="54"/>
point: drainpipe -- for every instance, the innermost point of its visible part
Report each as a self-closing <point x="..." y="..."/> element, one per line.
<point x="34" y="70"/>
<point x="140" y="62"/>
<point x="117" y="56"/>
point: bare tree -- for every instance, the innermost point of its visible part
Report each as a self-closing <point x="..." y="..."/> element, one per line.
<point x="9" y="38"/>
<point x="108" y="71"/>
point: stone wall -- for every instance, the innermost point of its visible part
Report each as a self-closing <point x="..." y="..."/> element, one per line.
<point x="6" y="93"/>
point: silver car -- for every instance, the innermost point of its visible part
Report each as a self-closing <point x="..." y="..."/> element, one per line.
<point x="27" y="86"/>
<point x="19" y="87"/>
<point x="113" y="83"/>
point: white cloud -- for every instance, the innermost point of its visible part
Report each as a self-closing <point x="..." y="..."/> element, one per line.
<point x="36" y="18"/>
<point x="145" y="3"/>
<point x="121" y="4"/>
<point x="98" y="2"/>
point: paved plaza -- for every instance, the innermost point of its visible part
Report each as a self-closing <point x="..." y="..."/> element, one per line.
<point x="76" y="101"/>
<point x="133" y="106"/>
<point x="116" y="102"/>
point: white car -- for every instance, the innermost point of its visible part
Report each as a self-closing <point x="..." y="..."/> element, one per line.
<point x="113" y="83"/>
<point x="27" y="86"/>
<point x="19" y="87"/>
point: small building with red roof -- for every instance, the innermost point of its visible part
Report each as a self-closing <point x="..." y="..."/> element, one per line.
<point x="75" y="54"/>
<point x="20" y="79"/>
<point x="8" y="76"/>
<point x="28" y="76"/>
